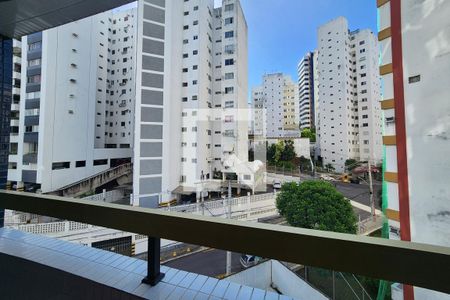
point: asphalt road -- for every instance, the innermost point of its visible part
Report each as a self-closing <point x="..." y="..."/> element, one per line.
<point x="211" y="262"/>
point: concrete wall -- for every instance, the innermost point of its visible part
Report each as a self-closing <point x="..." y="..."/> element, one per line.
<point x="426" y="52"/>
<point x="272" y="274"/>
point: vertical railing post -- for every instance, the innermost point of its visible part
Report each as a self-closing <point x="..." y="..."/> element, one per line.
<point x="154" y="274"/>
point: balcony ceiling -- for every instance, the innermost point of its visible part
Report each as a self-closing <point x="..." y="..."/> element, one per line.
<point x="22" y="17"/>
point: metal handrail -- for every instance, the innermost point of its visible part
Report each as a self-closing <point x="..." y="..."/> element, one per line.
<point x="411" y="263"/>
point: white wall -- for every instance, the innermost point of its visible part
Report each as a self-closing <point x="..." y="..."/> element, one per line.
<point x="272" y="273"/>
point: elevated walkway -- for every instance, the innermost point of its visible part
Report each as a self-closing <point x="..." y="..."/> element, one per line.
<point x="91" y="183"/>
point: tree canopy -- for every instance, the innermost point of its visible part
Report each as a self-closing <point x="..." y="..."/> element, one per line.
<point x="308" y="133"/>
<point x="281" y="153"/>
<point x="316" y="205"/>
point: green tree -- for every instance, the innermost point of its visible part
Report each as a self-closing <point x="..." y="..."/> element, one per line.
<point x="308" y="133"/>
<point x="350" y="164"/>
<point x="329" y="167"/>
<point x="271" y="153"/>
<point x="316" y="205"/>
<point x="279" y="147"/>
<point x="304" y="164"/>
<point x="288" y="153"/>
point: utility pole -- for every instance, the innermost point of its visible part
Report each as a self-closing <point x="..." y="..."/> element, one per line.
<point x="372" y="202"/>
<point x="228" y="266"/>
<point x="201" y="196"/>
<point x="312" y="168"/>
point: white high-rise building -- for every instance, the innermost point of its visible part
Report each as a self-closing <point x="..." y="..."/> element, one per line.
<point x="77" y="101"/>
<point x="191" y="107"/>
<point x="13" y="157"/>
<point x="276" y="103"/>
<point x="349" y="112"/>
<point x="305" y="70"/>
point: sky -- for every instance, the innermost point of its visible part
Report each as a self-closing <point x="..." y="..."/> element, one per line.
<point x="280" y="32"/>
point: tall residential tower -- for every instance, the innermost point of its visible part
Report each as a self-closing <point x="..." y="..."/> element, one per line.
<point x="75" y="117"/>
<point x="349" y="92"/>
<point x="276" y="104"/>
<point x="191" y="109"/>
<point x="305" y="71"/>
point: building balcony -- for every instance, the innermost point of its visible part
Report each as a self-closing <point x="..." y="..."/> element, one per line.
<point x="79" y="272"/>
<point x="31" y="120"/>
<point x="29" y="158"/>
<point x="31" y="137"/>
<point x="32" y="103"/>
<point x="17" y="60"/>
<point x="15" y="106"/>
<point x="14" y="122"/>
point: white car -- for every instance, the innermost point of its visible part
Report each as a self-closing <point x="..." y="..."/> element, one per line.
<point x="276" y="184"/>
<point x="327" y="178"/>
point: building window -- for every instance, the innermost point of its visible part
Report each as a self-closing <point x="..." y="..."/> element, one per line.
<point x="228" y="21"/>
<point x="34" y="79"/>
<point x="34" y="62"/>
<point x="229" y="104"/>
<point x="80" y="164"/>
<point x="61" y="165"/>
<point x="229" y="49"/>
<point x="229" y="75"/>
<point x="100" y="162"/>
<point x="229" y="90"/>
<point x="228" y="119"/>
<point x="229" y="34"/>
<point x="34" y="46"/>
<point x="229" y="62"/>
<point x="229" y="7"/>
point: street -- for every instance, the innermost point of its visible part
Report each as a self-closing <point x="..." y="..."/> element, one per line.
<point x="210" y="262"/>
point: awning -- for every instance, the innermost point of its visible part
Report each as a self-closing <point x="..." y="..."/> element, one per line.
<point x="23" y="17"/>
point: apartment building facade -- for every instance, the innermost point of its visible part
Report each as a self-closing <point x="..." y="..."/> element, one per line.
<point x="349" y="120"/>
<point x="276" y="104"/>
<point x="72" y="121"/>
<point x="305" y="71"/>
<point x="191" y="109"/>
<point x="414" y="64"/>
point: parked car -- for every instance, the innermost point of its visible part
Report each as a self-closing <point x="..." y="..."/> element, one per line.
<point x="276" y="184"/>
<point x="247" y="260"/>
<point x="327" y="178"/>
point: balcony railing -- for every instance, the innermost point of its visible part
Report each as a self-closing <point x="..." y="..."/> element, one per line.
<point x="416" y="264"/>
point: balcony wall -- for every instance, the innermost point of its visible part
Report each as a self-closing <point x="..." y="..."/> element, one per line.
<point x="30" y="137"/>
<point x="38" y="267"/>
<point x="30" y="158"/>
